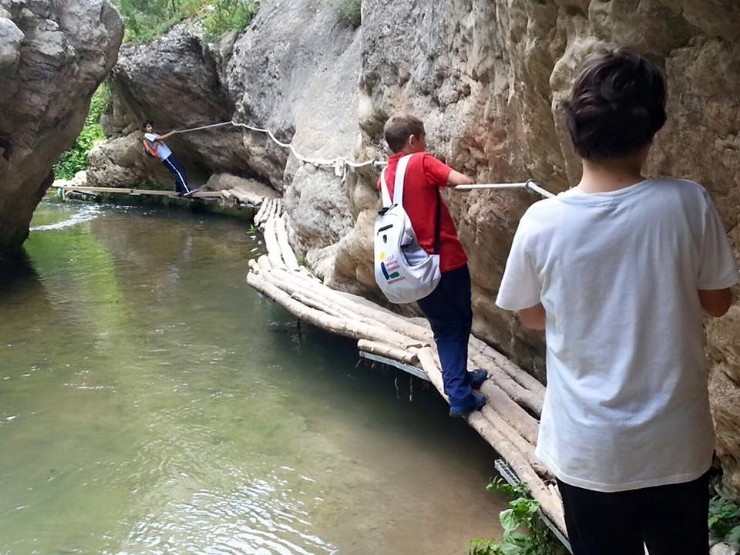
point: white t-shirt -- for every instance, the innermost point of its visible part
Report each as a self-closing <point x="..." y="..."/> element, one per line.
<point x="626" y="405"/>
<point x="163" y="151"/>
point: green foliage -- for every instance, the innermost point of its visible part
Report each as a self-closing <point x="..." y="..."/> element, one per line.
<point x="75" y="159"/>
<point x="348" y="11"/>
<point x="146" y="20"/>
<point x="229" y="15"/>
<point x="724" y="520"/>
<point x="524" y="531"/>
<point x="537" y="539"/>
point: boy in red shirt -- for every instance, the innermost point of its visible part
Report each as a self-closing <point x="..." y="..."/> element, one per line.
<point x="448" y="307"/>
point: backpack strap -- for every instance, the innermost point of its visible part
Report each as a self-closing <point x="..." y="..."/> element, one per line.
<point x="400" y="178"/>
<point x="397" y="184"/>
<point x="398" y="196"/>
<point x="385" y="196"/>
<point x="437" y="223"/>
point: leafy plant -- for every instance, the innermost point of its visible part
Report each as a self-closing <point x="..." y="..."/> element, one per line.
<point x="229" y="15"/>
<point x="76" y="157"/>
<point x="724" y="520"/>
<point x="524" y="531"/>
<point x="146" y="20"/>
<point x="348" y="11"/>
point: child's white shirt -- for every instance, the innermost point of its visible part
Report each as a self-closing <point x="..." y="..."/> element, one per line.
<point x="163" y="151"/>
<point x="626" y="405"/>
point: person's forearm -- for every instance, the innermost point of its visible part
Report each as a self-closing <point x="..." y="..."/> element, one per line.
<point x="715" y="302"/>
<point x="456" y="178"/>
<point x="166" y="136"/>
<point x="534" y="317"/>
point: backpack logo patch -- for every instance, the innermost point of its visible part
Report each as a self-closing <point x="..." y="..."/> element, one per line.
<point x="389" y="267"/>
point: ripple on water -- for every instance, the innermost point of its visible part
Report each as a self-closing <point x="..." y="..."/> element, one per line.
<point x="85" y="214"/>
<point x="153" y="403"/>
<point x="252" y="519"/>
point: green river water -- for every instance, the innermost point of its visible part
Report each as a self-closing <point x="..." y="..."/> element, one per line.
<point x="152" y="402"/>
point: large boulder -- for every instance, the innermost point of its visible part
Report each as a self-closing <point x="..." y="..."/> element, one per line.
<point x="52" y="58"/>
<point x="304" y="93"/>
<point x="175" y="81"/>
<point x="302" y="85"/>
<point x="121" y="162"/>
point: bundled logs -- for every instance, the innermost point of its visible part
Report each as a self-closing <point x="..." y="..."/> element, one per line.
<point x="508" y="421"/>
<point x="271" y="207"/>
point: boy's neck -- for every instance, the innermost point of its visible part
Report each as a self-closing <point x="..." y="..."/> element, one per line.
<point x="604" y="176"/>
<point x="408" y="150"/>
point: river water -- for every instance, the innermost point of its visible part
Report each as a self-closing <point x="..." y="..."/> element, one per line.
<point x="152" y="402"/>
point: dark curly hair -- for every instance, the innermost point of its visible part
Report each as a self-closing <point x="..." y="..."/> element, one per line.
<point x="616" y="106"/>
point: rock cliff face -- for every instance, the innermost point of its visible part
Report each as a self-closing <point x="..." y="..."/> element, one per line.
<point x="488" y="77"/>
<point x="53" y="55"/>
<point x="175" y="82"/>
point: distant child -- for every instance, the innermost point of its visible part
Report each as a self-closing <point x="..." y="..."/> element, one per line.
<point x="155" y="143"/>
<point x="448" y="307"/>
<point x="618" y="271"/>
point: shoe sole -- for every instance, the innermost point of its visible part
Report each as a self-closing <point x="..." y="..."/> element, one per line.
<point x="475" y="384"/>
<point x="459" y="414"/>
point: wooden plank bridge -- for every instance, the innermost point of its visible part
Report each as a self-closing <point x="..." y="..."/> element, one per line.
<point x="508" y="422"/>
<point x="135" y="192"/>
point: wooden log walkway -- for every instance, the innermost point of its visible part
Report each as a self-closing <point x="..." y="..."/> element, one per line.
<point x="135" y="192"/>
<point x="509" y="420"/>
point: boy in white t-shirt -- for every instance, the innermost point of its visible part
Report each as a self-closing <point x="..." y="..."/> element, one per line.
<point x="154" y="144"/>
<point x="618" y="271"/>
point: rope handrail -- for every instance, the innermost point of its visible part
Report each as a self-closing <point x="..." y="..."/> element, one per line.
<point x="530" y="184"/>
<point x="341" y="163"/>
<point x="477" y="186"/>
<point x="336" y="162"/>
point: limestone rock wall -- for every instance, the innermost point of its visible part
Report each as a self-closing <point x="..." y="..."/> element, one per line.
<point x="175" y="82"/>
<point x="53" y="55"/>
<point x="295" y="72"/>
<point x="488" y="77"/>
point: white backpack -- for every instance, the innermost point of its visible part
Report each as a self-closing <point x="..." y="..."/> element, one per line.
<point x="404" y="271"/>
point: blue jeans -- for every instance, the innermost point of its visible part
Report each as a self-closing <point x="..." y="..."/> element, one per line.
<point x="449" y="312"/>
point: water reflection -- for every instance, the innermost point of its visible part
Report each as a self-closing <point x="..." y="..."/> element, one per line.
<point x="151" y="402"/>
